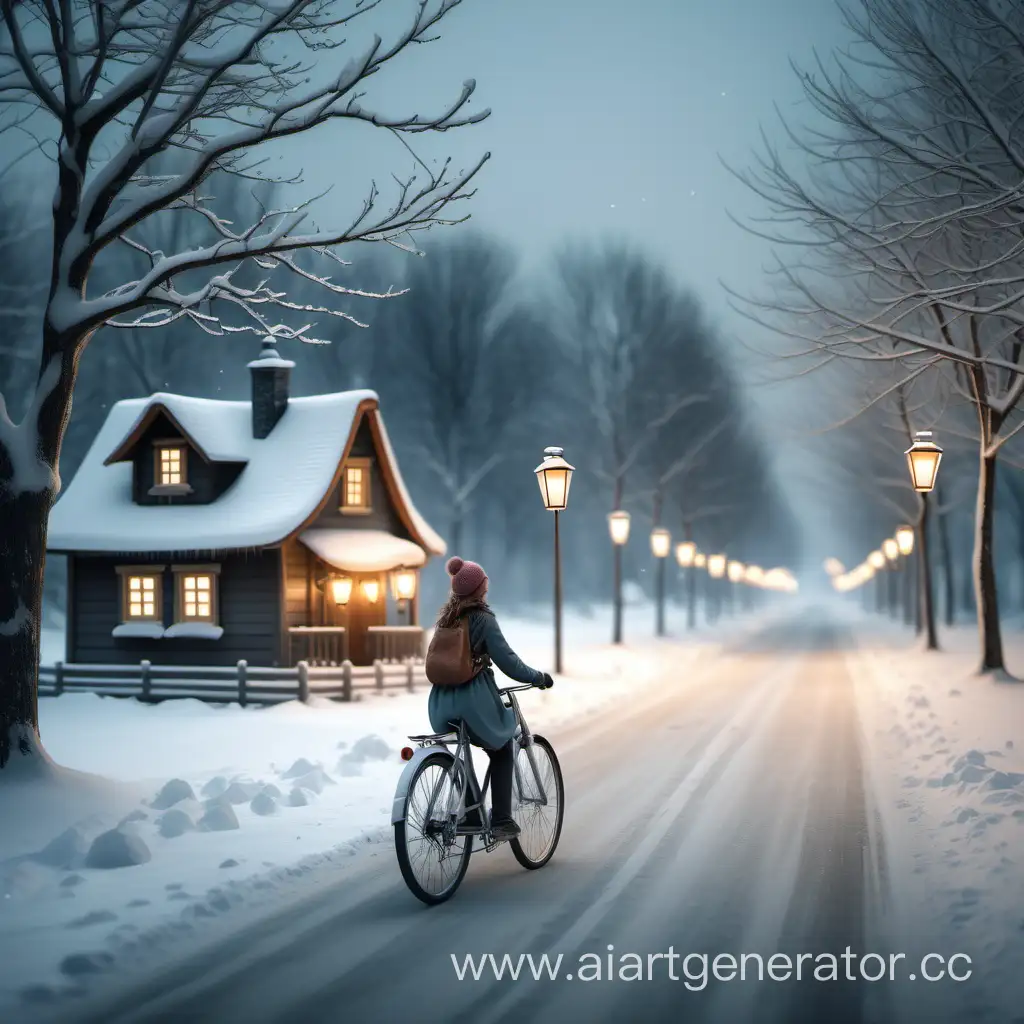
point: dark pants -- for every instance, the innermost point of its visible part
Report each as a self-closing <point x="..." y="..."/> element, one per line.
<point x="502" y="761"/>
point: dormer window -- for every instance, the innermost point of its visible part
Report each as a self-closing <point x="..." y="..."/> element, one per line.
<point x="170" y="468"/>
<point x="355" y="487"/>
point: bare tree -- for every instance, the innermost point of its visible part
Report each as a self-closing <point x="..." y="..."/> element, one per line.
<point x="456" y="363"/>
<point x="910" y="210"/>
<point x="115" y="84"/>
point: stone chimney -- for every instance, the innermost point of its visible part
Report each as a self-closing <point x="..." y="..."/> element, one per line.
<point x="270" y="375"/>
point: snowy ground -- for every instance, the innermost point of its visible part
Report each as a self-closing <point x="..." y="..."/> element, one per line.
<point x="303" y="782"/>
<point x="946" y="749"/>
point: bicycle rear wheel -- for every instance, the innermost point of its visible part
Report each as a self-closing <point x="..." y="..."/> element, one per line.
<point x="541" y="823"/>
<point x="432" y="858"/>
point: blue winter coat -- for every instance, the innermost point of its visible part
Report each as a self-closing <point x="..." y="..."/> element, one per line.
<point x="477" y="703"/>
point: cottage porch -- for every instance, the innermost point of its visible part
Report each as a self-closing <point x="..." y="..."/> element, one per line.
<point x="352" y="595"/>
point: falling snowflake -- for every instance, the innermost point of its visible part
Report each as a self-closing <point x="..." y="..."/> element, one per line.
<point x="613" y="206"/>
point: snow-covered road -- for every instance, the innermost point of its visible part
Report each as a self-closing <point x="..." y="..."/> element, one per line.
<point x="724" y="811"/>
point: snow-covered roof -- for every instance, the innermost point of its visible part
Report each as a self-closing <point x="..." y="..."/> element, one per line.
<point x="432" y="541"/>
<point x="286" y="477"/>
<point x="363" y="550"/>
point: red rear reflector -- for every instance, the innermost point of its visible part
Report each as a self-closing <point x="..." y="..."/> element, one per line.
<point x="406" y="753"/>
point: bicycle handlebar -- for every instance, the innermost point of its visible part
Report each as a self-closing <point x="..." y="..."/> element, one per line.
<point x="515" y="689"/>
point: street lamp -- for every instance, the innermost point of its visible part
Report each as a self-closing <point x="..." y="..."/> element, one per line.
<point x="661" y="545"/>
<point x="716" y="566"/>
<point x="554" y="475"/>
<point x="905" y="540"/>
<point x="686" y="556"/>
<point x="923" y="458"/>
<point x="735" y="571"/>
<point x="891" y="550"/>
<point x="876" y="560"/>
<point x="686" y="551"/>
<point x="403" y="589"/>
<point x="700" y="560"/>
<point x="618" y="527"/>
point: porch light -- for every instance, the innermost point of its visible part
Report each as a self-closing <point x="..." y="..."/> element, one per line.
<point x="661" y="542"/>
<point x="403" y="584"/>
<point x="686" y="551"/>
<point x="716" y="566"/>
<point x="554" y="475"/>
<point x="923" y="458"/>
<point x="736" y="571"/>
<point x="618" y="526"/>
<point x="876" y="560"/>
<point x="341" y="589"/>
<point x="890" y="549"/>
<point x="905" y="539"/>
<point x="371" y="590"/>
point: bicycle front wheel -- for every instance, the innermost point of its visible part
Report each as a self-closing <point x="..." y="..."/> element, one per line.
<point x="432" y="858"/>
<point x="538" y="803"/>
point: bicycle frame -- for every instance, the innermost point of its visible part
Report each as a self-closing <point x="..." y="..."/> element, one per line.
<point x="466" y="794"/>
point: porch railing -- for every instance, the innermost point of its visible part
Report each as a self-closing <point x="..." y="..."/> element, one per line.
<point x="317" y="645"/>
<point x="395" y="643"/>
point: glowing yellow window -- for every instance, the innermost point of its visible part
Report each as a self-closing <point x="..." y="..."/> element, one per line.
<point x="355" y="487"/>
<point x="170" y="465"/>
<point x="142" y="597"/>
<point x="197" y="596"/>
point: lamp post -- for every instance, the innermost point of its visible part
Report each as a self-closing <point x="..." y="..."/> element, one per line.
<point x="716" y="571"/>
<point x="661" y="545"/>
<point x="686" y="553"/>
<point x="905" y="542"/>
<point x="923" y="458"/>
<point x="734" y="570"/>
<point x="877" y="562"/>
<point x="891" y="550"/>
<point x="554" y="475"/>
<point x="618" y="528"/>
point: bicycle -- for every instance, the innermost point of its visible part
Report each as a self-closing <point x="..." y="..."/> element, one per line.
<point x="438" y="791"/>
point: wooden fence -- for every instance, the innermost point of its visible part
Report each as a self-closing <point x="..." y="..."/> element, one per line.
<point x="244" y="683"/>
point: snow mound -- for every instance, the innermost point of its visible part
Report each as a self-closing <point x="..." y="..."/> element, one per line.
<point x="117" y="849"/>
<point x="315" y="780"/>
<point x="219" y="817"/>
<point x="299" y="768"/>
<point x="176" y="822"/>
<point x="173" y="792"/>
<point x="263" y="804"/>
<point x="66" y="851"/>
<point x="215" y="787"/>
<point x="370" y="748"/>
<point x="241" y="792"/>
<point x="297" y="798"/>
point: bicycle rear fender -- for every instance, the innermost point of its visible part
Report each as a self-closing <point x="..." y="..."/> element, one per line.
<point x="405" y="779"/>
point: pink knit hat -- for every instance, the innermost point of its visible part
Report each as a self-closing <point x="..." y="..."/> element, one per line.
<point x="467" y="577"/>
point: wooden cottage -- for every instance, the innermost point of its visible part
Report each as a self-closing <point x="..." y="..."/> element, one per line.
<point x="202" y="532"/>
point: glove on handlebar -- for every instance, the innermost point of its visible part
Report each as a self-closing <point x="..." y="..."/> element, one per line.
<point x="546" y="683"/>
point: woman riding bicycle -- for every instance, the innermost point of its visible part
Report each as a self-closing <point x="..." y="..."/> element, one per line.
<point x="489" y="723"/>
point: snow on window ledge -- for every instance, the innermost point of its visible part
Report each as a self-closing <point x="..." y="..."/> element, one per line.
<point x="170" y="489"/>
<point x="145" y="630"/>
<point x="194" y="630"/>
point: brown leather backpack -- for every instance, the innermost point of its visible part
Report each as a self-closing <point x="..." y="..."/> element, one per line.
<point x="450" y="659"/>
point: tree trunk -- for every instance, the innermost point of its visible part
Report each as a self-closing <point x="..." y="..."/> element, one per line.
<point x="946" y="556"/>
<point x="986" y="594"/>
<point x="23" y="520"/>
<point x="28" y="487"/>
<point x="926" y="598"/>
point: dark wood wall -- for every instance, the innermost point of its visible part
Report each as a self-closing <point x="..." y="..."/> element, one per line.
<point x="250" y="611"/>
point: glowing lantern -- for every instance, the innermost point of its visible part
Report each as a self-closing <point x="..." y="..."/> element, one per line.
<point x="554" y="475"/>
<point x="923" y="458"/>
<point x="661" y="542"/>
<point x="341" y="589"/>
<point x="618" y="526"/>
<point x="905" y="539"/>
